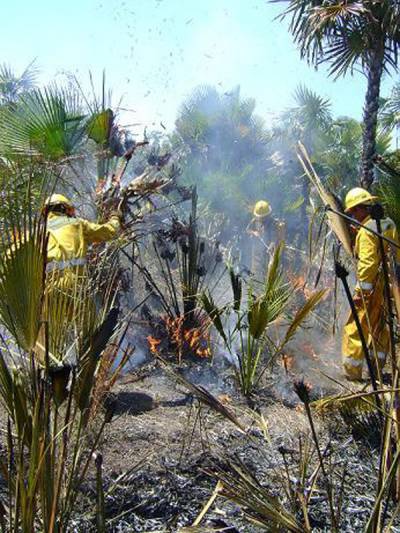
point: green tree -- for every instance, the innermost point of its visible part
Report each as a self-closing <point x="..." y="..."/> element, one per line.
<point x="13" y="86"/>
<point x="349" y="34"/>
<point x="226" y="148"/>
<point x="309" y="122"/>
<point x="390" y="110"/>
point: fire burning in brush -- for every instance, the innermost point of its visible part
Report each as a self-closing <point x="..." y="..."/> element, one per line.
<point x="308" y="349"/>
<point x="287" y="362"/>
<point x="300" y="283"/>
<point x="305" y="349"/>
<point x="188" y="341"/>
<point x="184" y="340"/>
<point x="153" y="344"/>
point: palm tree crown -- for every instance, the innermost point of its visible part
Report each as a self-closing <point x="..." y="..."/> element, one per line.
<point x="347" y="34"/>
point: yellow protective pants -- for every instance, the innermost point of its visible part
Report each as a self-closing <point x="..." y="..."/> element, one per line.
<point x="373" y="321"/>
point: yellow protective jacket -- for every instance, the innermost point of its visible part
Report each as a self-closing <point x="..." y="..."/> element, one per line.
<point x="367" y="251"/>
<point x="69" y="237"/>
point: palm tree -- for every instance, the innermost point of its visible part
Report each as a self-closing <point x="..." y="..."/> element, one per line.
<point x="308" y="121"/>
<point x="348" y="34"/>
<point x="13" y="86"/>
<point x="390" y="110"/>
<point x="226" y="146"/>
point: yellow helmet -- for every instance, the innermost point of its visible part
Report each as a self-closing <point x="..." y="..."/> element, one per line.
<point x="56" y="199"/>
<point x="262" y="209"/>
<point x="358" y="196"/>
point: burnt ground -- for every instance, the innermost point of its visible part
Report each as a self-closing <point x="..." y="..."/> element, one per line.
<point x="161" y="449"/>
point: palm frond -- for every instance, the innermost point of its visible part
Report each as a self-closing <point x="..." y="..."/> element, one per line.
<point x="45" y="123"/>
<point x="90" y="358"/>
<point x="22" y="263"/>
<point x="344" y="33"/>
<point x="99" y="127"/>
<point x="389" y="191"/>
<point x="390" y="112"/>
<point x="313" y="108"/>
<point x="13" y="86"/>
<point x="215" y="314"/>
<point x="203" y="395"/>
<point x="236" y="284"/>
<point x="355" y="402"/>
<point x="302" y="314"/>
<point x="260" y="507"/>
<point x="267" y="307"/>
<point x="336" y="222"/>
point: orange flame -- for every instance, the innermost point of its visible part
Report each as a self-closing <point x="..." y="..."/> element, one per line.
<point x="287" y="362"/>
<point x="153" y="344"/>
<point x="194" y="340"/>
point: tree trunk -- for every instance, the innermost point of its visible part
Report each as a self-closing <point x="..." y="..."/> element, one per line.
<point x="370" y="116"/>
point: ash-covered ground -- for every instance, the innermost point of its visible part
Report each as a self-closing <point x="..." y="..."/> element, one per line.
<point x="163" y="447"/>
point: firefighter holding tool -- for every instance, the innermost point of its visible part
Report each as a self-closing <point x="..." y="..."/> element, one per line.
<point x="369" y="292"/>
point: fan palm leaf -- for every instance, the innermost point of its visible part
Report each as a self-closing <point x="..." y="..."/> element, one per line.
<point x="22" y="265"/>
<point x="390" y="111"/>
<point x="13" y="86"/>
<point x="45" y="123"/>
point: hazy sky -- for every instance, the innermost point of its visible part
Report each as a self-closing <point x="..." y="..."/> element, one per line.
<point x="156" y="51"/>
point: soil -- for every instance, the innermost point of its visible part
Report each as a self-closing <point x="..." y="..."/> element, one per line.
<point x="173" y="446"/>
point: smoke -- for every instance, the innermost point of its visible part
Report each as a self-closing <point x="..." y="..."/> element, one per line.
<point x="316" y="358"/>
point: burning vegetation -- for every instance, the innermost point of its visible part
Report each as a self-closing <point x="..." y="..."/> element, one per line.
<point x="175" y="365"/>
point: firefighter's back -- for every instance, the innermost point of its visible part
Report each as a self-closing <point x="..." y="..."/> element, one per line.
<point x="66" y="239"/>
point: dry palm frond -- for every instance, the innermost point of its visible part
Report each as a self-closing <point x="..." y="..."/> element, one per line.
<point x="203" y="395"/>
<point x="208" y="504"/>
<point x="336" y="222"/>
<point x="358" y="411"/>
<point x="360" y="402"/>
<point x="144" y="185"/>
<point x="259" y="506"/>
<point x="302" y="315"/>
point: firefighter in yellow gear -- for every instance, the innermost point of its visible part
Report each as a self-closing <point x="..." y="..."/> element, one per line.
<point x="68" y="241"/>
<point x="69" y="236"/>
<point x="265" y="231"/>
<point x="369" y="291"/>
